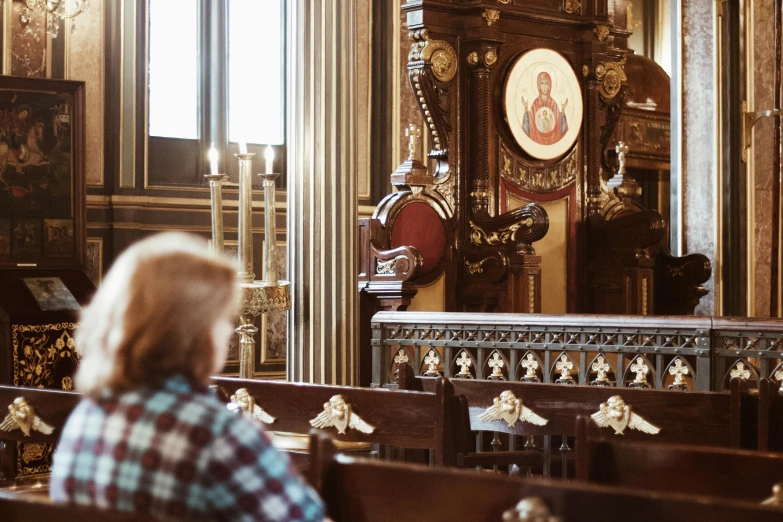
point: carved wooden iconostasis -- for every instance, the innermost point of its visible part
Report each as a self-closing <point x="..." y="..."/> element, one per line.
<point x="521" y="102"/>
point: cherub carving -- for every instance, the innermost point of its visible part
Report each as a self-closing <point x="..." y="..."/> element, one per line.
<point x="510" y="409"/>
<point x="338" y="413"/>
<point x="21" y="416"/>
<point x="243" y="401"/>
<point x="617" y="414"/>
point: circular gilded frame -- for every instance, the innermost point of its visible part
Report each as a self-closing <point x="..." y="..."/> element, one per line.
<point x="542" y="99"/>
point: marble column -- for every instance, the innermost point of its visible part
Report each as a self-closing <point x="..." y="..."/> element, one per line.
<point x="696" y="204"/>
<point x="322" y="185"/>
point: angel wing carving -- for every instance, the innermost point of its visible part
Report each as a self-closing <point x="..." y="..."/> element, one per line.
<point x="21" y="416"/>
<point x="338" y="413"/>
<point x="637" y="422"/>
<point x="509" y="408"/>
<point x="615" y="413"/>
<point x="246" y="403"/>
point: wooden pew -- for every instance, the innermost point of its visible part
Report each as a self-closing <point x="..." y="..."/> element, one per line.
<point x="359" y="490"/>
<point x="409" y="420"/>
<point x="702" y="418"/>
<point x="23" y="508"/>
<point x="770" y="432"/>
<point x="52" y="406"/>
<point x="721" y="472"/>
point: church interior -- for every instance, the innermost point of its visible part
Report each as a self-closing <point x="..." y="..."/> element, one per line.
<point x="538" y="240"/>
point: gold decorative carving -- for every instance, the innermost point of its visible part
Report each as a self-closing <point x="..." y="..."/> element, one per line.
<point x="260" y="298"/>
<point x="640" y="368"/>
<point x="678" y="369"/>
<point x="644" y="296"/>
<point x="509" y="408"/>
<point x="477" y="267"/>
<point x="777" y="496"/>
<point x="32" y="451"/>
<point x="740" y="371"/>
<point x="504" y="235"/>
<point x="532" y="509"/>
<point x="533" y="178"/>
<point x="473" y="58"/>
<point x="490" y="58"/>
<point x="432" y="360"/>
<point x="531" y="294"/>
<point x="602" y="32"/>
<point x="572" y="6"/>
<point x="530" y="365"/>
<point x="413" y="133"/>
<point x="243" y="401"/>
<point x="464" y="362"/>
<point x="21" y="416"/>
<point x="339" y="414"/>
<point x="504" y="2"/>
<point x="601" y="367"/>
<point x="38" y="348"/>
<point x="585" y="71"/>
<point x="496" y="363"/>
<point x="615" y="413"/>
<point x="442" y="58"/>
<point x="401" y="357"/>
<point x="779" y="377"/>
<point x="491" y="16"/>
<point x="612" y="77"/>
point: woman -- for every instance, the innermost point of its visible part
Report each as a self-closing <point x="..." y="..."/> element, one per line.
<point x="149" y="437"/>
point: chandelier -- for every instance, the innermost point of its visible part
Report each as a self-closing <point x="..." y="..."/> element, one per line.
<point x="37" y="14"/>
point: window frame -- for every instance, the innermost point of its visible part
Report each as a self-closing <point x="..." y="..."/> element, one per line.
<point x="178" y="162"/>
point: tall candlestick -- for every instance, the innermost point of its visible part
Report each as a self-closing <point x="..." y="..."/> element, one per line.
<point x="213" y="160"/>
<point x="246" y="274"/>
<point x="270" y="229"/>
<point x="216" y="203"/>
<point x="269" y="155"/>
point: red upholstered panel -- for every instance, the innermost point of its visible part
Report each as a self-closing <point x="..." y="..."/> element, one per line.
<point x="418" y="225"/>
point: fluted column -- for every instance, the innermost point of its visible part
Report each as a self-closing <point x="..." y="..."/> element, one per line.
<point x="322" y="183"/>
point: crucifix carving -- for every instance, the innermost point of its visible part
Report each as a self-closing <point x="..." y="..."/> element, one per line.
<point x="464" y="364"/>
<point x="601" y="367"/>
<point x="530" y="365"/>
<point x="621" y="149"/>
<point x="432" y="360"/>
<point x="496" y="363"/>
<point x="678" y="370"/>
<point x="401" y="357"/>
<point x="640" y="369"/>
<point x="740" y="371"/>
<point x="413" y="132"/>
<point x="564" y="366"/>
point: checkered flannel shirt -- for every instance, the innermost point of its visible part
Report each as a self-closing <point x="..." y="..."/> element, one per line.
<point x="176" y="452"/>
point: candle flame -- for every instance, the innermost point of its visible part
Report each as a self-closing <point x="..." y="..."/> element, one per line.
<point x="213" y="153"/>
<point x="269" y="153"/>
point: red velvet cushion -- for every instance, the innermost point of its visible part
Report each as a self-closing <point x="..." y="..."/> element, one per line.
<point x="418" y="225"/>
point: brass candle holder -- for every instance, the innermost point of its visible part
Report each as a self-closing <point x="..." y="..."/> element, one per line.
<point x="257" y="297"/>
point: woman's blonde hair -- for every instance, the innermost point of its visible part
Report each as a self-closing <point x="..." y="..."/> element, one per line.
<point x="154" y="314"/>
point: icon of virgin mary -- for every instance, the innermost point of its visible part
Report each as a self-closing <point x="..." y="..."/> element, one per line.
<point x="544" y="121"/>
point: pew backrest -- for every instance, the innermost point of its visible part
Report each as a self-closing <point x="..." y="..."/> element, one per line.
<point x="360" y="490"/>
<point x="723" y="472"/>
<point x="401" y="419"/>
<point x="25" y="508"/>
<point x="706" y="418"/>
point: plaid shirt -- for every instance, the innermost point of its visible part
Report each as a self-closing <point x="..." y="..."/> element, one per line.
<point x="176" y="452"/>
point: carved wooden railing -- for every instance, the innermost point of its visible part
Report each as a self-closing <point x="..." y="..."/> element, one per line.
<point x="677" y="353"/>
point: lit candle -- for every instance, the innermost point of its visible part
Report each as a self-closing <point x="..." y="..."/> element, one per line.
<point x="269" y="154"/>
<point x="213" y="160"/>
<point x="242" y="147"/>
